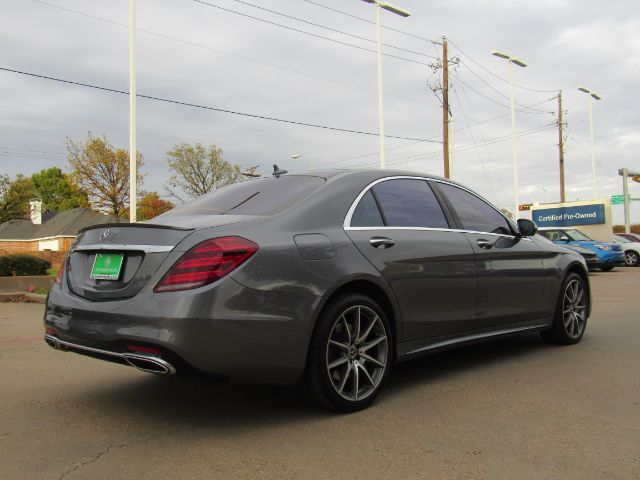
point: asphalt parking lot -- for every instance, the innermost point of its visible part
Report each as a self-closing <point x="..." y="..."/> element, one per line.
<point x="513" y="409"/>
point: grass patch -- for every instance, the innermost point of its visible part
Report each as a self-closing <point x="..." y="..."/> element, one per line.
<point x="52" y="271"/>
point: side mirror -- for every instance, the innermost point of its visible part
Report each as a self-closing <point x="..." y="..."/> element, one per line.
<point x="564" y="239"/>
<point x="526" y="227"/>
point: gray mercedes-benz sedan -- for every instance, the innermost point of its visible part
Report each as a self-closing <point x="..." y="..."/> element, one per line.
<point x="327" y="277"/>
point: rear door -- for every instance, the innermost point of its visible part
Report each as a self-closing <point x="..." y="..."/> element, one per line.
<point x="399" y="226"/>
<point x="509" y="269"/>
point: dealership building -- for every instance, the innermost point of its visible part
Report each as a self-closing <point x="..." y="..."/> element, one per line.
<point x="591" y="217"/>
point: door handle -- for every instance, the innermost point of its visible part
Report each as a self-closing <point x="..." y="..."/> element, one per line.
<point x="482" y="243"/>
<point x="381" y="242"/>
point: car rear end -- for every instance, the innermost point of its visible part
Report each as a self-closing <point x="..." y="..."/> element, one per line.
<point x="162" y="297"/>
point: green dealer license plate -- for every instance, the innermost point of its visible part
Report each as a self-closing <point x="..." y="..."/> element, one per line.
<point x="107" y="266"/>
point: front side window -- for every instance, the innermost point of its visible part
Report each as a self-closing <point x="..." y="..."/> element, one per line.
<point x="409" y="203"/>
<point x="475" y="214"/>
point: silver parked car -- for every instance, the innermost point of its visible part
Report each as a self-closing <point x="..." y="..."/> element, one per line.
<point x="326" y="278"/>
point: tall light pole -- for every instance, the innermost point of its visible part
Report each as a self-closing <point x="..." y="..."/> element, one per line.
<point x="513" y="60"/>
<point x="133" y="150"/>
<point x="403" y="13"/>
<point x="592" y="95"/>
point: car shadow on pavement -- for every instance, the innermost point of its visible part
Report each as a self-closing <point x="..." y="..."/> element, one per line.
<point x="191" y="403"/>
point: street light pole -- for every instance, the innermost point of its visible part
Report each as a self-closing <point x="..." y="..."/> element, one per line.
<point x="403" y="13"/>
<point x="383" y="162"/>
<point x="514" y="151"/>
<point x="133" y="150"/>
<point x="592" y="95"/>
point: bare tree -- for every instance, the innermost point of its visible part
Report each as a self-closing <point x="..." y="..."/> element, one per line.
<point x="102" y="172"/>
<point x="197" y="170"/>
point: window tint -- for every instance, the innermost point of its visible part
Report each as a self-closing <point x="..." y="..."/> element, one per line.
<point x="367" y="213"/>
<point x="409" y="203"/>
<point x="475" y="214"/>
<point x="262" y="196"/>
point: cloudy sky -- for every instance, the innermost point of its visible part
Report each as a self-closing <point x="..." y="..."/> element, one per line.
<point x="220" y="57"/>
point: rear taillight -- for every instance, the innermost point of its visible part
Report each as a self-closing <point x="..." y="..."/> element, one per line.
<point x="207" y="262"/>
<point x="60" y="273"/>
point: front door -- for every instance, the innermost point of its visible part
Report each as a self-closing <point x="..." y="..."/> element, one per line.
<point x="511" y="277"/>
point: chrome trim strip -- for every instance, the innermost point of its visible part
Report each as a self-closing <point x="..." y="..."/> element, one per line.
<point x="347" y="221"/>
<point x="477" y="336"/>
<point x="124" y="247"/>
<point x="58" y="344"/>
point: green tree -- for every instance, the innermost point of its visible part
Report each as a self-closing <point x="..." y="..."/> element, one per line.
<point x="15" y="196"/>
<point x="197" y="170"/>
<point x="58" y="191"/>
<point x="102" y="171"/>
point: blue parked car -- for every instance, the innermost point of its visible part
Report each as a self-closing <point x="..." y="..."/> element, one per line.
<point x="609" y="254"/>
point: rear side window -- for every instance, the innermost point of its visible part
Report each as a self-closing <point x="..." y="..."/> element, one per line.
<point x="475" y="214"/>
<point x="409" y="203"/>
<point x="262" y="196"/>
<point x="367" y="213"/>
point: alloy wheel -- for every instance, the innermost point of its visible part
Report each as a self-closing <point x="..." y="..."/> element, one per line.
<point x="631" y="259"/>
<point x="357" y="353"/>
<point x="574" y="308"/>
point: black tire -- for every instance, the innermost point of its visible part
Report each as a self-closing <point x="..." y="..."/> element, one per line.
<point x="560" y="332"/>
<point x="335" y="323"/>
<point x="631" y="258"/>
<point x="608" y="268"/>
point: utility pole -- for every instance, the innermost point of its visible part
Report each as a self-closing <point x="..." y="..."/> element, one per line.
<point x="133" y="149"/>
<point x="445" y="106"/>
<point x="561" y="147"/>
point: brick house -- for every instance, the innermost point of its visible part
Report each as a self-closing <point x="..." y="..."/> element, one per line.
<point x="48" y="235"/>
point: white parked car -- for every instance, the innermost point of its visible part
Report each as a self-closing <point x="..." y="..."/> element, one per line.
<point x="631" y="250"/>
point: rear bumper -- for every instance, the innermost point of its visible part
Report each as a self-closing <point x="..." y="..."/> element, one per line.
<point x="226" y="330"/>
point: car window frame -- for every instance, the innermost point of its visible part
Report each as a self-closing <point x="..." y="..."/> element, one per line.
<point x="454" y="224"/>
<point x="510" y="223"/>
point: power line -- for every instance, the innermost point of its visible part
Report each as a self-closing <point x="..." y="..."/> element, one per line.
<point x="229" y="54"/>
<point x="290" y="17"/>
<point x="498" y="91"/>
<point x="495" y="74"/>
<point x="484" y="169"/>
<point x="466" y="127"/>
<point x="373" y="23"/>
<point x="469" y="146"/>
<point x="492" y="100"/>
<point x="304" y="32"/>
<point x="216" y="109"/>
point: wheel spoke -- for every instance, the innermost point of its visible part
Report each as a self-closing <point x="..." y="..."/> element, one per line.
<point x="337" y="363"/>
<point x="346" y="324"/>
<point x="366" y="333"/>
<point x="567" y="321"/>
<point x="375" y="361"/>
<point x="356" y="382"/>
<point x="373" y="343"/>
<point x="344" y="346"/>
<point x="366" y="374"/>
<point x="344" y="380"/>
<point x="356" y="334"/>
<point x="578" y="296"/>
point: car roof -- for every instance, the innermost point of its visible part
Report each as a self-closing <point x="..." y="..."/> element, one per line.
<point x="380" y="173"/>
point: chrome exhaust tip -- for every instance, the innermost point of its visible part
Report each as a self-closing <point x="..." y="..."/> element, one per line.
<point x="52" y="341"/>
<point x="146" y="363"/>
<point x="149" y="363"/>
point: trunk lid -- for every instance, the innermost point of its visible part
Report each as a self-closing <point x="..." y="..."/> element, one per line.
<point x="142" y="246"/>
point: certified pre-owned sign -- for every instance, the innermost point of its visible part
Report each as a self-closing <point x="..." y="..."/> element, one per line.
<point x="569" y="216"/>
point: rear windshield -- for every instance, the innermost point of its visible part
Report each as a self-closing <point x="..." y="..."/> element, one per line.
<point x="261" y="196"/>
